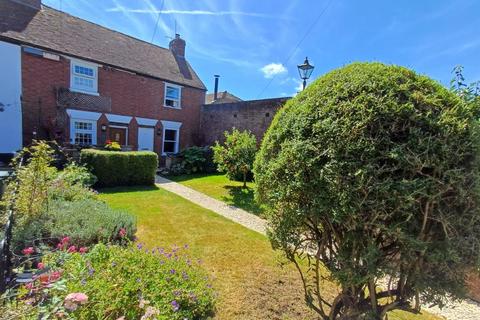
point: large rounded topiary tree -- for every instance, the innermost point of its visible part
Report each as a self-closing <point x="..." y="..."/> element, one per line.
<point x="373" y="172"/>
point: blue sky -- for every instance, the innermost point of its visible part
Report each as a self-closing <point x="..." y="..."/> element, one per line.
<point x="252" y="44"/>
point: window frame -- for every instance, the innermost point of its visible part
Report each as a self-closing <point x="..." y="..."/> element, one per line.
<point x="179" y="100"/>
<point x="74" y="130"/>
<point x="174" y="126"/>
<point x="74" y="63"/>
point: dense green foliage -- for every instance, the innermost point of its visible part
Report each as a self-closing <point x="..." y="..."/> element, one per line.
<point x="235" y="157"/>
<point x="121" y="168"/>
<point x="85" y="222"/>
<point x="375" y="169"/>
<point x="113" y="282"/>
<point x="194" y="160"/>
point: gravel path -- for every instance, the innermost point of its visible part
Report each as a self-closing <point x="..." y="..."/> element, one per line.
<point x="233" y="213"/>
<point x="464" y="310"/>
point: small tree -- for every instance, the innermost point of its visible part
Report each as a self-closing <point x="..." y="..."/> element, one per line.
<point x="373" y="173"/>
<point x="236" y="155"/>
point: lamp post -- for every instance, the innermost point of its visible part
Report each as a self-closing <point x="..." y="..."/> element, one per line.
<point x="305" y="70"/>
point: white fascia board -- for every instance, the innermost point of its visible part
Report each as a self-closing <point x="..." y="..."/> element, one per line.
<point x="171" y="124"/>
<point x="146" y="121"/>
<point x="118" y="118"/>
<point x="84" y="115"/>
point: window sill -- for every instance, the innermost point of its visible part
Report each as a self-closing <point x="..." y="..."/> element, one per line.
<point x="169" y="107"/>
<point x="85" y="92"/>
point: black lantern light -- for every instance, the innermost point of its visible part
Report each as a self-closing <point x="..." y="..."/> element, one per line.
<point x="305" y="70"/>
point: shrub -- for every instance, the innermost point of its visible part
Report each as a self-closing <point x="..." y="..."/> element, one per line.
<point x="194" y="160"/>
<point x="76" y="174"/>
<point x="121" y="168"/>
<point x="86" y="222"/>
<point x="375" y="168"/>
<point x="237" y="154"/>
<point x="131" y="282"/>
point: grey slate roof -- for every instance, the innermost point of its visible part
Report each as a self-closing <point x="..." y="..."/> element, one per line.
<point x="57" y="31"/>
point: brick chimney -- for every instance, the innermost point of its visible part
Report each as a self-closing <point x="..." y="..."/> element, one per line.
<point x="177" y="46"/>
<point x="35" y="4"/>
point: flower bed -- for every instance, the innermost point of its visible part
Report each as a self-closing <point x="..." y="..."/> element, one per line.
<point x="116" y="283"/>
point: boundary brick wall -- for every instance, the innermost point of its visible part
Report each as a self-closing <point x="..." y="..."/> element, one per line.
<point x="253" y="115"/>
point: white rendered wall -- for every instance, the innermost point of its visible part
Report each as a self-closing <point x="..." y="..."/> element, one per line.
<point x="10" y="91"/>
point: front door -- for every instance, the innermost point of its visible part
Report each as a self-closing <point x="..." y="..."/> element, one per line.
<point x="145" y="138"/>
<point x="119" y="135"/>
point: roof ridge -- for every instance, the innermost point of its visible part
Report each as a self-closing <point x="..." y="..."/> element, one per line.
<point x="103" y="27"/>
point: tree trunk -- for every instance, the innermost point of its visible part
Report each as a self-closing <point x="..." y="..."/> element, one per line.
<point x="244" y="179"/>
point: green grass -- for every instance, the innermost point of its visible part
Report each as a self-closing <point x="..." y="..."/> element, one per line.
<point x="253" y="281"/>
<point x="218" y="186"/>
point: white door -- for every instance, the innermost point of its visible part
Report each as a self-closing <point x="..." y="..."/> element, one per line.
<point x="145" y="138"/>
<point x="10" y="106"/>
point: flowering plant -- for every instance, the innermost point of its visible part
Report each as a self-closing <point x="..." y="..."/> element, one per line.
<point x="112" y="146"/>
<point x="135" y="283"/>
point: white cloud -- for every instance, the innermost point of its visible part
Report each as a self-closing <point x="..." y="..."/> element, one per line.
<point x="272" y="69"/>
<point x="120" y="8"/>
<point x="299" y="86"/>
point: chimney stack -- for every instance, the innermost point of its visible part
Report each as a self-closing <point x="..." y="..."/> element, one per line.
<point x="177" y="46"/>
<point x="215" y="93"/>
<point x="35" y="4"/>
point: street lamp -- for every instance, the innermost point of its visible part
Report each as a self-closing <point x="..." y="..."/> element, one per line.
<point x="305" y="70"/>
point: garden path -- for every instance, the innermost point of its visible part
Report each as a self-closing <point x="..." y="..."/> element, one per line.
<point x="233" y="213"/>
<point x="464" y="310"/>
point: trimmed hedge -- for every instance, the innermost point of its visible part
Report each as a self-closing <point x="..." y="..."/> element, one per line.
<point x="113" y="168"/>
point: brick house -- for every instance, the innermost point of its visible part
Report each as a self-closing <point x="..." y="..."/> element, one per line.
<point x="77" y="82"/>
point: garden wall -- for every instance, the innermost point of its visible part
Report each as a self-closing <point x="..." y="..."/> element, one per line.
<point x="253" y="115"/>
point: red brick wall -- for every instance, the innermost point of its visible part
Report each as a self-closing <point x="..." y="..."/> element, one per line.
<point x="131" y="95"/>
<point x="254" y="115"/>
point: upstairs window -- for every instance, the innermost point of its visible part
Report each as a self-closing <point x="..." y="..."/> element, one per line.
<point x="83" y="77"/>
<point x="172" y="96"/>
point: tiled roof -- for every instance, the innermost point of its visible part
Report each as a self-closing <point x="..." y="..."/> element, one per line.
<point x="222" y="97"/>
<point x="57" y="31"/>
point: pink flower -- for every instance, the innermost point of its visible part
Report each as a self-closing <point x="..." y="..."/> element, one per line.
<point x="122" y="233"/>
<point x="65" y="240"/>
<point x="83" y="250"/>
<point x="29" y="286"/>
<point x="72" y="249"/>
<point x="28" y="251"/>
<point x="40" y="265"/>
<point x="73" y="300"/>
<point x="60" y="246"/>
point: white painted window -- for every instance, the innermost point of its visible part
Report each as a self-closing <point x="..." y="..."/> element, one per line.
<point x="84" y="132"/>
<point x="83" y="77"/>
<point x="83" y="126"/>
<point x="171" y="137"/>
<point x="173" y="94"/>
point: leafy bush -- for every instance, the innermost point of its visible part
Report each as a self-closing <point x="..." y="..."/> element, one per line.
<point x="131" y="282"/>
<point x="237" y="154"/>
<point x="86" y="222"/>
<point x="76" y="174"/>
<point x="194" y="160"/>
<point x="376" y="169"/>
<point x="121" y="168"/>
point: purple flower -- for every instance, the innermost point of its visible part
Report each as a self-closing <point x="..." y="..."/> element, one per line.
<point x="184" y="275"/>
<point x="172" y="271"/>
<point x="185" y="246"/>
<point x="91" y="271"/>
<point x="175" y="306"/>
<point x="139" y="246"/>
<point x="176" y="293"/>
<point x="209" y="286"/>
<point x="83" y="282"/>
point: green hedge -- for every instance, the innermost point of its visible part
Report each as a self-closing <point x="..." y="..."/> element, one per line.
<point x="113" y="168"/>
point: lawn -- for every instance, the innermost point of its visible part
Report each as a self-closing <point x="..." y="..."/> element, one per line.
<point x="218" y="186"/>
<point x="252" y="280"/>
